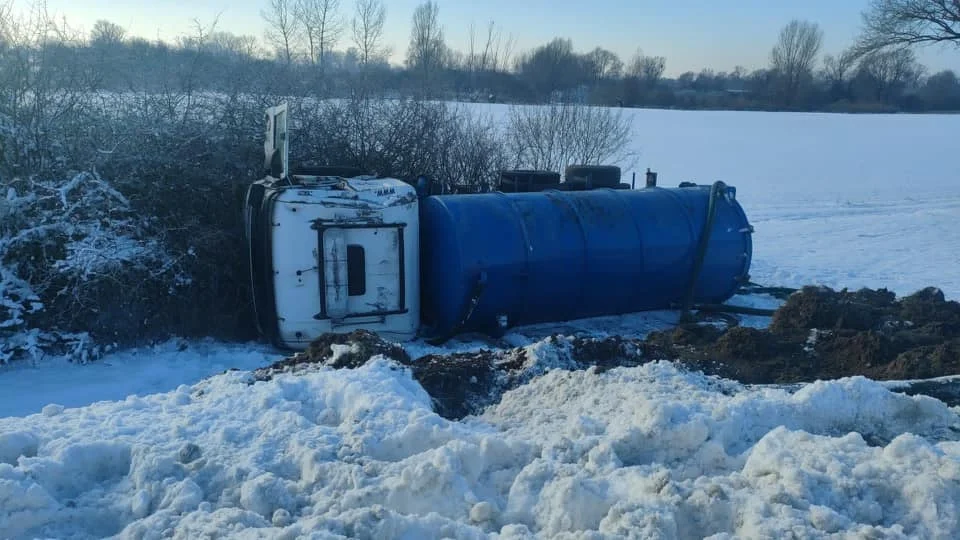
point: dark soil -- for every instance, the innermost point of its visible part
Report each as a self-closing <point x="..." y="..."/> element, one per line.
<point x="463" y="383"/>
<point x="818" y="333"/>
<point x="466" y="383"/>
<point x="320" y="352"/>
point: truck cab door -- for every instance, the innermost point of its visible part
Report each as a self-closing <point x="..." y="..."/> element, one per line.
<point x="276" y="145"/>
<point x="362" y="271"/>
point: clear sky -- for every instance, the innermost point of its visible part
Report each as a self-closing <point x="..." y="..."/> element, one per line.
<point x="691" y="34"/>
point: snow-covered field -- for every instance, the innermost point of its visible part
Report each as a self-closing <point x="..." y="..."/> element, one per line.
<point x="846" y="201"/>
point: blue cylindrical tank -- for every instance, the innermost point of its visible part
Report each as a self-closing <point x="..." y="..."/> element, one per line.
<point x="524" y="258"/>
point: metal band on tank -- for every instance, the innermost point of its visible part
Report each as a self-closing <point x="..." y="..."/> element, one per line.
<point x="694" y="235"/>
<point x="562" y="196"/>
<point x="526" y="251"/>
<point x="433" y="307"/>
<point x="621" y="197"/>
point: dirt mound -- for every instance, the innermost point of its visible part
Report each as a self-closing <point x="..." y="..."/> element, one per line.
<point x="926" y="362"/>
<point x="338" y="351"/>
<point x="818" y="333"/>
<point x="466" y="383"/>
<point x="823" y="308"/>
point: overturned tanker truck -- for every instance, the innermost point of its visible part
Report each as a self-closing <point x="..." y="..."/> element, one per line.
<point x="334" y="250"/>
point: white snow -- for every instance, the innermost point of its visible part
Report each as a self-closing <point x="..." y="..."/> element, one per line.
<point x="903" y="246"/>
<point x="648" y="451"/>
<point x="27" y="389"/>
<point x="164" y="442"/>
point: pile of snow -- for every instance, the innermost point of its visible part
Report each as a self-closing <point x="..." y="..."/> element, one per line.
<point x="648" y="451"/>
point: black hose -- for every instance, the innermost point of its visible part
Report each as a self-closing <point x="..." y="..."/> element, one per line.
<point x="781" y="293"/>
<point x="715" y="191"/>
<point x="475" y="293"/>
<point x="742" y="310"/>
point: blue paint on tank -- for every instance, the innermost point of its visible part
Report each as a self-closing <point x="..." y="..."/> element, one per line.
<point x="556" y="256"/>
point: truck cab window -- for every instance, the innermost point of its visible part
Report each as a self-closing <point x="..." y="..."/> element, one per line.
<point x="356" y="270"/>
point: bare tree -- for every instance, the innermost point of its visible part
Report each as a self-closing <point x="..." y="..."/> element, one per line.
<point x="427" y="52"/>
<point x="322" y="26"/>
<point x="641" y="79"/>
<point x="6" y="8"/>
<point x="44" y="85"/>
<point x="837" y="68"/>
<point x="106" y="33"/>
<point x="604" y="64"/>
<point x="837" y="72"/>
<point x="554" y="136"/>
<point x="490" y="58"/>
<point x="506" y="52"/>
<point x="470" y="63"/>
<point x="496" y="51"/>
<point x="893" y="23"/>
<point x="367" y="26"/>
<point x="283" y="31"/>
<point x="228" y="44"/>
<point x="648" y="69"/>
<point x="794" y="55"/>
<point x="942" y="91"/>
<point x="885" y="74"/>
<point x="553" y="67"/>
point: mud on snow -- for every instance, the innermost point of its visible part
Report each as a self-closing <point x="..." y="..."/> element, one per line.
<point x="817" y="334"/>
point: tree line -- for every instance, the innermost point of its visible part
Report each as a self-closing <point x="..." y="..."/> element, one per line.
<point x="326" y="48"/>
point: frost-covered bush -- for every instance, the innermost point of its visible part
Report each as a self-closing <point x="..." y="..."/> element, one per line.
<point x="400" y="138"/>
<point x="69" y="251"/>
<point x="188" y="169"/>
<point x="551" y="137"/>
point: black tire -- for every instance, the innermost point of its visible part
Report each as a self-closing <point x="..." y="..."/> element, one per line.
<point x="331" y="170"/>
<point x="509" y="186"/>
<point x="538" y="178"/>
<point x="607" y="176"/>
<point x="574" y="184"/>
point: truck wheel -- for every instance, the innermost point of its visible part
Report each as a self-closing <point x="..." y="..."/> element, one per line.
<point x="607" y="176"/>
<point x="531" y="177"/>
<point x="509" y="186"/>
<point x="574" y="184"/>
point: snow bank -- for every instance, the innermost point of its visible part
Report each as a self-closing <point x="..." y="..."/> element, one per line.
<point x="28" y="389"/>
<point x="359" y="453"/>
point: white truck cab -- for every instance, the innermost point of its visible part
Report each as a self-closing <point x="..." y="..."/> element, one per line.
<point x="330" y="252"/>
